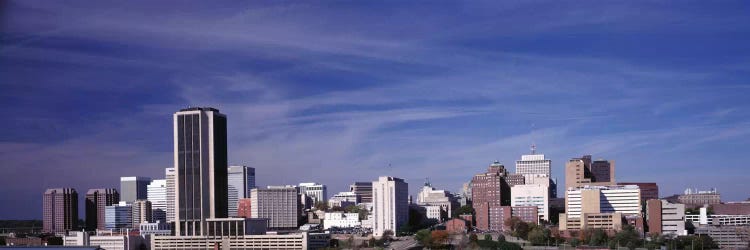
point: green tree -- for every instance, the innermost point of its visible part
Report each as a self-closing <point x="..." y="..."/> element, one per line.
<point x="321" y="205"/>
<point x="473" y="237"/>
<point x="466" y="209"/>
<point x="424" y="237"/>
<point x="488" y="237"/>
<point x="574" y="242"/>
<point x="387" y="235"/>
<point x="501" y="238"/>
<point x="56" y="241"/>
<point x="598" y="237"/>
<point x="538" y="236"/>
<point x="628" y="237"/>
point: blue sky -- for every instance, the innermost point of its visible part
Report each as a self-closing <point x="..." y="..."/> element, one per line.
<point x="340" y="91"/>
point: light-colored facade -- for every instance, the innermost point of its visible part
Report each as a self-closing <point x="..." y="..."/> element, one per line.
<point x="118" y="216"/>
<point x="603" y="199"/>
<point x="727" y="237"/>
<point x="278" y="204"/>
<point x="155" y="228"/>
<point x="532" y="195"/>
<point x="605" y="206"/>
<point x="134" y="188"/>
<point x="141" y="212"/>
<point x="300" y="241"/>
<point x="117" y="242"/>
<point x="665" y="218"/>
<point x="390" y="204"/>
<point x="696" y="198"/>
<point x="429" y="196"/>
<point x="344" y="199"/>
<point x="240" y="180"/>
<point x="341" y="220"/>
<point x="157" y="195"/>
<point x="200" y="158"/>
<point x="60" y="210"/>
<point x="534" y="164"/>
<point x="169" y="175"/>
<point x="318" y="192"/>
<point x="77" y="238"/>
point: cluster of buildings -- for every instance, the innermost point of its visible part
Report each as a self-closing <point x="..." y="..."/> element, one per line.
<point x="202" y="202"/>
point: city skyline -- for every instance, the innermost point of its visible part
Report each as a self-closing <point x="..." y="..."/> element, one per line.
<point x="342" y="94"/>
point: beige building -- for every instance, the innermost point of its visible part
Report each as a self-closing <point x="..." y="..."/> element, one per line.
<point x="579" y="172"/>
<point x="141" y="212"/>
<point x="599" y="207"/>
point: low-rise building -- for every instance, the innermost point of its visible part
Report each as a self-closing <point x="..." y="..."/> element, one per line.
<point x="341" y="220"/>
<point x="733" y="237"/>
<point x="155" y="228"/>
<point x="344" y="199"/>
<point x="693" y="198"/>
<point x="302" y="240"/>
<point x="665" y="218"/>
<point x="457" y="225"/>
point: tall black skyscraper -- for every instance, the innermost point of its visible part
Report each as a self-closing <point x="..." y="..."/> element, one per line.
<point x="200" y="156"/>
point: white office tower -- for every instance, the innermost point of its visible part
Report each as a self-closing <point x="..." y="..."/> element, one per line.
<point x="603" y="199"/>
<point x="537" y="170"/>
<point x="170" y="178"/>
<point x="390" y="197"/>
<point x="157" y="195"/>
<point x="532" y="195"/>
<point x="200" y="159"/>
<point x="240" y="180"/>
<point x="533" y="164"/>
<point x="316" y="191"/>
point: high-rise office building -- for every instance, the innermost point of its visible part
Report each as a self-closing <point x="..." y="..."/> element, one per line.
<point x="582" y="171"/>
<point x="490" y="192"/>
<point x="169" y="175"/>
<point x="142" y="210"/>
<point x="134" y="188"/>
<point x="390" y="197"/>
<point x="577" y="173"/>
<point x="278" y="204"/>
<point x="200" y="157"/>
<point x="363" y="189"/>
<point x="118" y="216"/>
<point x="96" y="201"/>
<point x="60" y="211"/>
<point x="317" y="192"/>
<point x="536" y="169"/>
<point x="157" y="195"/>
<point x="534" y="164"/>
<point x="240" y="180"/>
<point x="603" y="170"/>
